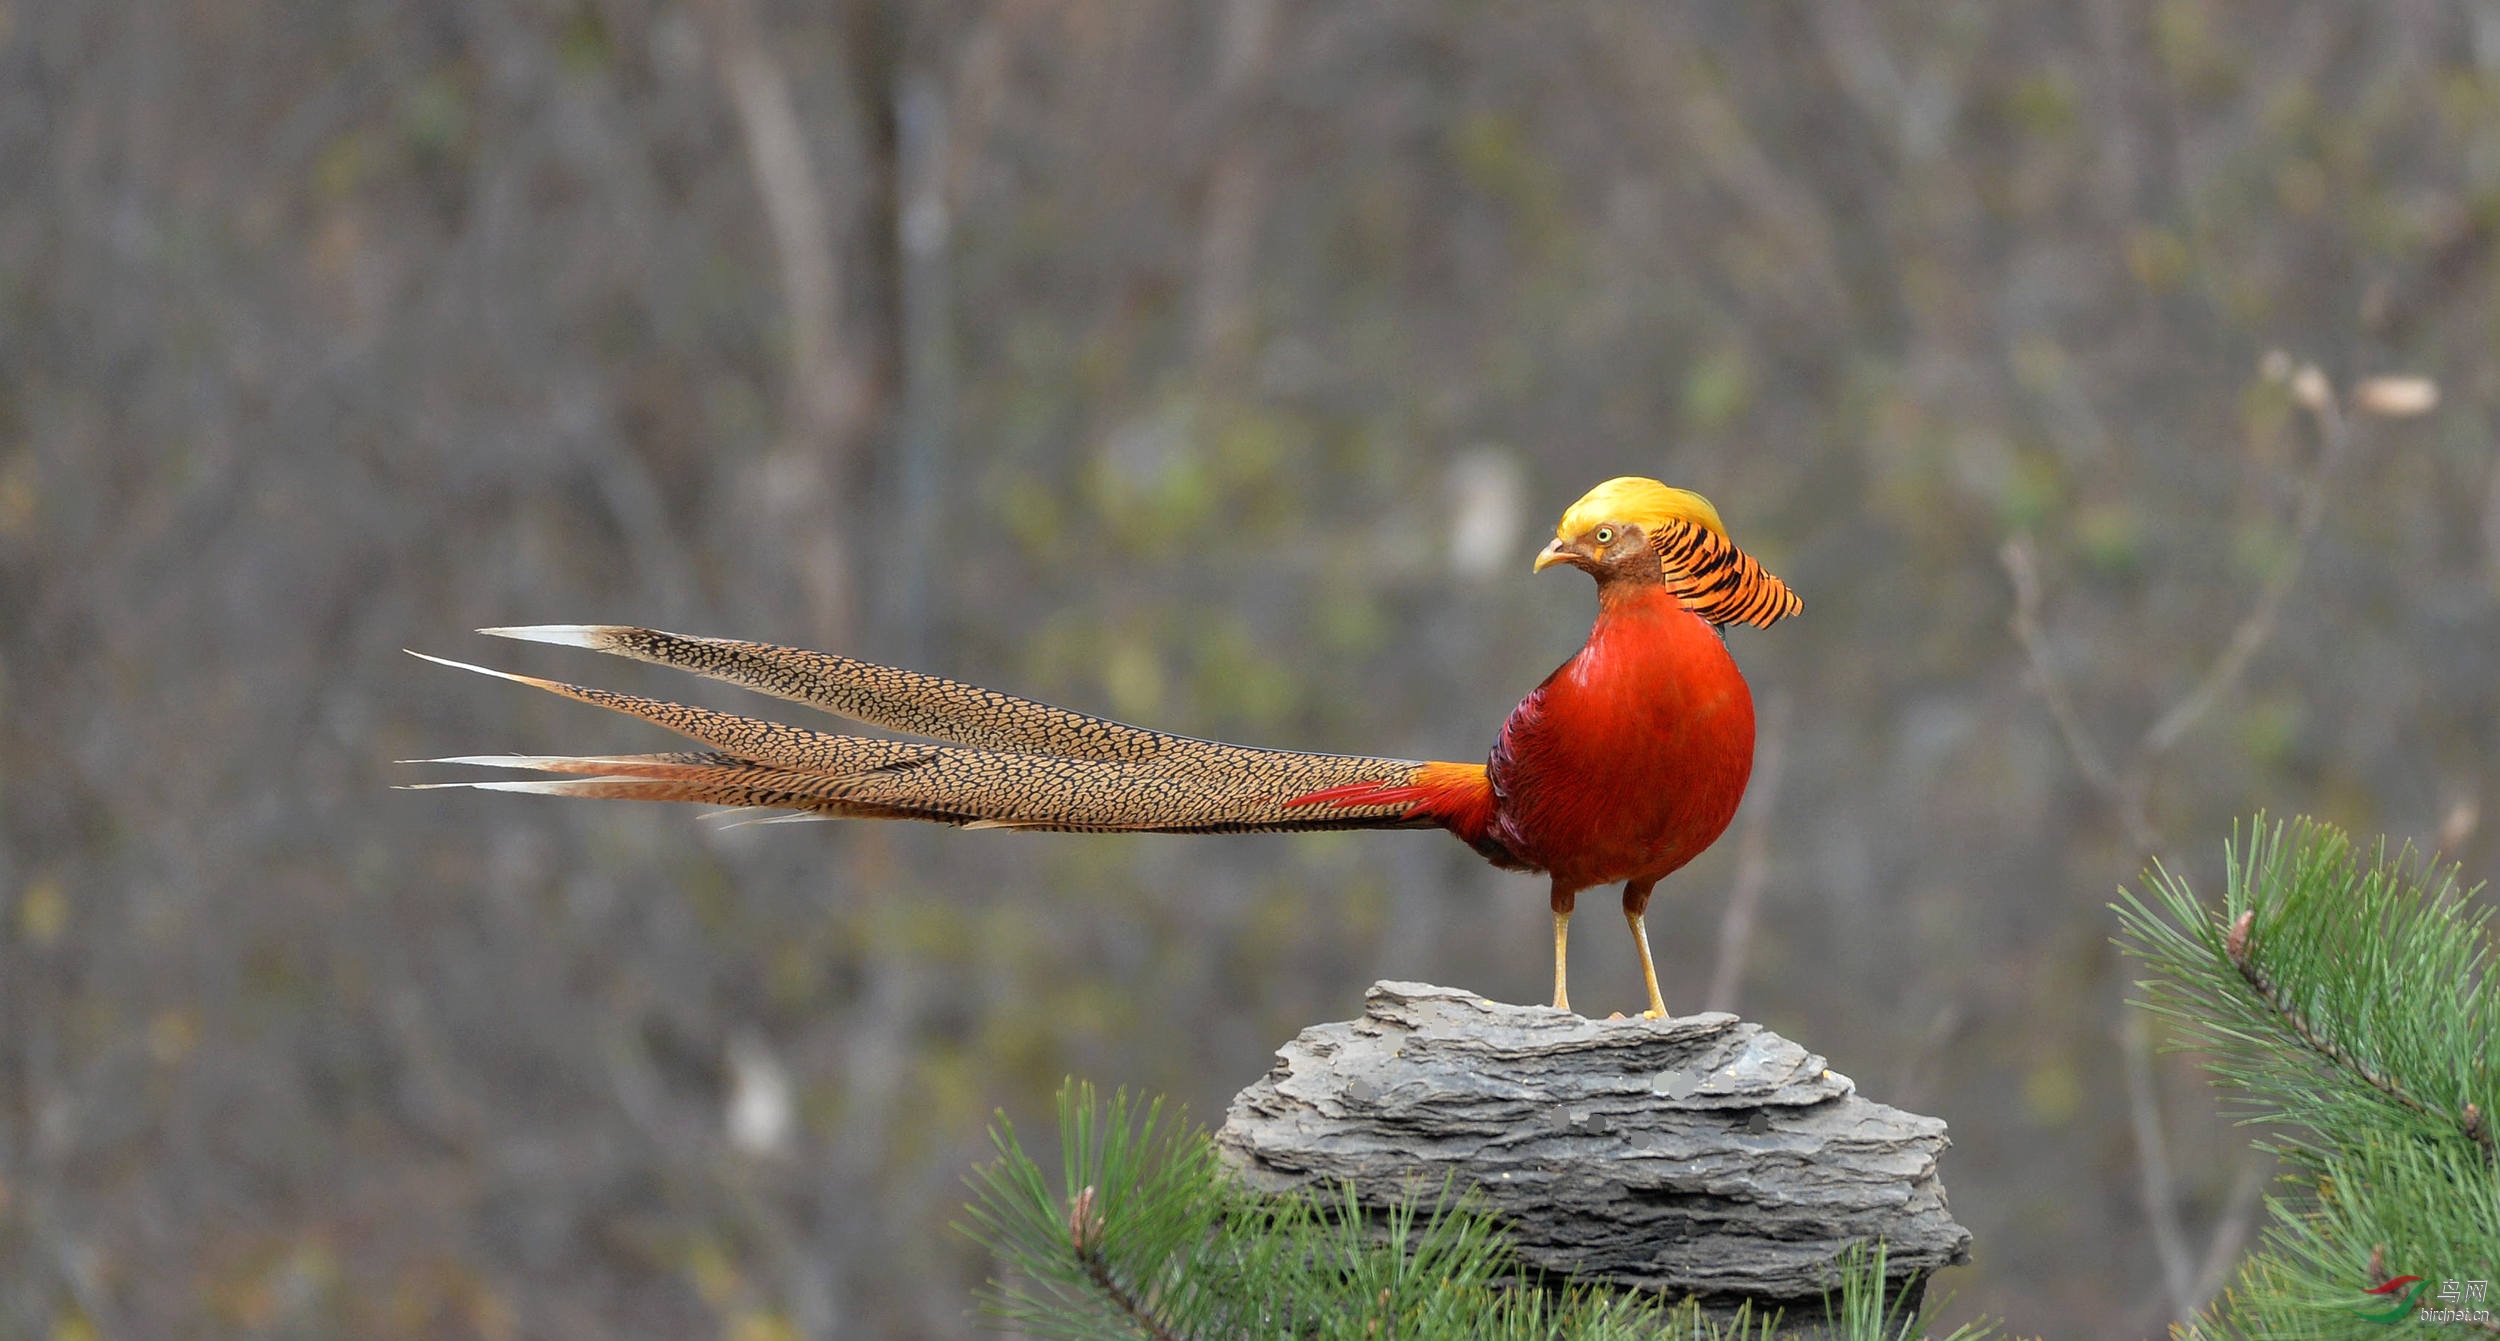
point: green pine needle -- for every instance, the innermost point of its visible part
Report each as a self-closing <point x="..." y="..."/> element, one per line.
<point x="2348" y="1005"/>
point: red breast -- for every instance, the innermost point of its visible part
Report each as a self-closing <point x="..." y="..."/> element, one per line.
<point x="1632" y="756"/>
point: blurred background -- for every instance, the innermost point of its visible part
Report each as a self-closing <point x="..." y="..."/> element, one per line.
<point x="1217" y="366"/>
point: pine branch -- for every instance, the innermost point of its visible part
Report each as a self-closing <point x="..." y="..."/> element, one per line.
<point x="1145" y="1200"/>
<point x="1085" y="1237"/>
<point x="2346" y="1000"/>
<point x="2235" y="944"/>
<point x="2372" y="968"/>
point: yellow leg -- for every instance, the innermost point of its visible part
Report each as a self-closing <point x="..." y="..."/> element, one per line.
<point x="1562" y="931"/>
<point x="1649" y="969"/>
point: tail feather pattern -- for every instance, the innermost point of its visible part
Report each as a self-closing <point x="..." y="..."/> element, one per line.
<point x="885" y="697"/>
<point x="1003" y="762"/>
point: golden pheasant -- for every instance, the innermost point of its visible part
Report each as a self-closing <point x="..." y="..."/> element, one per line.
<point x="1622" y="766"/>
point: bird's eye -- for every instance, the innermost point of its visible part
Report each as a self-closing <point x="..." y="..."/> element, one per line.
<point x="1605" y="535"/>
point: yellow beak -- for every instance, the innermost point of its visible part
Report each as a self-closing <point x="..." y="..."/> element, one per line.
<point x="1555" y="552"/>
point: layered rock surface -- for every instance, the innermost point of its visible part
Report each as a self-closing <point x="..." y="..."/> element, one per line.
<point x="1701" y="1155"/>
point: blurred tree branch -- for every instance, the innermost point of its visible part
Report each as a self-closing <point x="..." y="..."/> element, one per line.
<point x="1236" y="194"/>
<point x="922" y="442"/>
<point x="2309" y="387"/>
<point x="2152" y="1152"/>
<point x="829" y="393"/>
<point x="1701" y="127"/>
<point x="1913" y="112"/>
<point x="1753" y="851"/>
<point x="2127" y="804"/>
<point x="2127" y="787"/>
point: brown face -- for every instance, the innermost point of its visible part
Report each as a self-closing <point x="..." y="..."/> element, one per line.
<point x="1608" y="551"/>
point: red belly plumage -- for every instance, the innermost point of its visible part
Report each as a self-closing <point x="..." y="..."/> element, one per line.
<point x="1632" y="756"/>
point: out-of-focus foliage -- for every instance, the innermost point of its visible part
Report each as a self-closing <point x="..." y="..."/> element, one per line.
<point x="1149" y="358"/>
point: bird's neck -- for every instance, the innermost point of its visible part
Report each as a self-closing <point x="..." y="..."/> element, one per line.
<point x="1629" y="599"/>
<point x="1645" y="649"/>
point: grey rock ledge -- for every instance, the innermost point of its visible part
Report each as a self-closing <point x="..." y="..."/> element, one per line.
<point x="1700" y="1155"/>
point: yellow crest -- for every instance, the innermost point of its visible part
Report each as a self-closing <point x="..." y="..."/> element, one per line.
<point x="1714" y="579"/>
<point x="1642" y="502"/>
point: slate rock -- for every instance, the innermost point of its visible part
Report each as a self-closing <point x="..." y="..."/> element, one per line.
<point x="1700" y="1155"/>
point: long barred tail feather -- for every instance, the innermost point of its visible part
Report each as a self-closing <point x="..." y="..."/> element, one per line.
<point x="750" y="738"/>
<point x="1007" y="762"/>
<point x="879" y="696"/>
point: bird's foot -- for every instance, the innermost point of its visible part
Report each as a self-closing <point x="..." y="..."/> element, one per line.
<point x="1655" y="1013"/>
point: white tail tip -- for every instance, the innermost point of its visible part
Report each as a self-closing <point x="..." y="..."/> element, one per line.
<point x="537" y="761"/>
<point x="562" y="788"/>
<point x="482" y="670"/>
<point x="742" y="819"/>
<point x="596" y="637"/>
